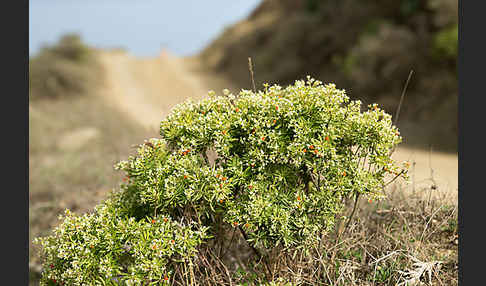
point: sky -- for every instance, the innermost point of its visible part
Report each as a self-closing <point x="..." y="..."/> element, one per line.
<point x="143" y="27"/>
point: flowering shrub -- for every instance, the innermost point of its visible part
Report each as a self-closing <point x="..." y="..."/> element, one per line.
<point x="276" y="165"/>
<point x="105" y="248"/>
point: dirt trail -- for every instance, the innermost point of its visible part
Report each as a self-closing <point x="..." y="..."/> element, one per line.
<point x="147" y="88"/>
<point x="436" y="172"/>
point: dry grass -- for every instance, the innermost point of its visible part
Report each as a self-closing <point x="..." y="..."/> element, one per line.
<point x="406" y="239"/>
<point x="73" y="144"/>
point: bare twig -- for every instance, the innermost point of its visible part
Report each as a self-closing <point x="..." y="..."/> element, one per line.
<point x="428" y="222"/>
<point x="392" y="180"/>
<point x="401" y="98"/>
<point x="250" y="67"/>
<point x="400" y="105"/>
<point x="443" y="223"/>
<point x="231" y="242"/>
<point x="352" y="213"/>
<point x="256" y="252"/>
<point x="395" y="252"/>
<point x="224" y="267"/>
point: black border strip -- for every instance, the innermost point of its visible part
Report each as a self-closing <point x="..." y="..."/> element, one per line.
<point x="14" y="21"/>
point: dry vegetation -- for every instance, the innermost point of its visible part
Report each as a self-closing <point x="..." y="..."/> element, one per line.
<point x="406" y="239"/>
<point x="65" y="69"/>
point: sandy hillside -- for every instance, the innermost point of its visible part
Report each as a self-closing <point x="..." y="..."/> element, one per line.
<point x="147" y="88"/>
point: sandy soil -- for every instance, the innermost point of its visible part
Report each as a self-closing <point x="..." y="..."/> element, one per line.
<point x="147" y="88"/>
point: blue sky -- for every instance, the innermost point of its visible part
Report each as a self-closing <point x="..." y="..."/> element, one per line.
<point x="141" y="26"/>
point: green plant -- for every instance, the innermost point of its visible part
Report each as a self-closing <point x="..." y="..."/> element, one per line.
<point x="277" y="166"/>
<point x="105" y="248"/>
<point x="445" y="42"/>
<point x="408" y="7"/>
<point x="312" y="6"/>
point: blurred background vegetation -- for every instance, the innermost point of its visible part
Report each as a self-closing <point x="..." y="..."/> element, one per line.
<point x="367" y="47"/>
<point x="66" y="68"/>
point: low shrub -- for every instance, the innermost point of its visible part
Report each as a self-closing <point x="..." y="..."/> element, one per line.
<point x="276" y="166"/>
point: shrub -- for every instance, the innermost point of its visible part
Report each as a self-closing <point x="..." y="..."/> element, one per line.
<point x="105" y="248"/>
<point x="276" y="165"/>
<point x="65" y="69"/>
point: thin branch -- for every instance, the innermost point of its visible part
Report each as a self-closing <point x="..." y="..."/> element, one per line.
<point x="398" y="175"/>
<point x="352" y="213"/>
<point x="205" y="157"/>
<point x="401" y="98"/>
<point x="250" y="67"/>
<point x="400" y="105"/>
<point x="224" y="267"/>
<point x="428" y="222"/>
<point x="257" y="253"/>
<point x="231" y="242"/>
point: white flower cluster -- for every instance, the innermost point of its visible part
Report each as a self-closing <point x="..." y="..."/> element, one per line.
<point x="102" y="247"/>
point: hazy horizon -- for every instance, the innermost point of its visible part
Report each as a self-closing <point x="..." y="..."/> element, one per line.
<point x="143" y="27"/>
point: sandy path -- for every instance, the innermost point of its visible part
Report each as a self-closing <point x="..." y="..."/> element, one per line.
<point x="147" y="88"/>
<point x="431" y="168"/>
